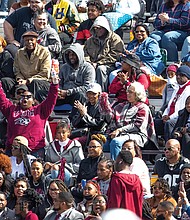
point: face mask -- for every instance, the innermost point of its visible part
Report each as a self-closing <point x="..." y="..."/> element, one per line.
<point x="160" y="217"/>
<point x="89" y="197"/>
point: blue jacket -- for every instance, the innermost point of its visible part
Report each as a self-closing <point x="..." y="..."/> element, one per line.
<point x="149" y="53"/>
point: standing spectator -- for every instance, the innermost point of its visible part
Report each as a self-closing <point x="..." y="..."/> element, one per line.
<point x="125" y="190"/>
<point x="66" y="16"/>
<point x="102" y="50"/>
<point x="75" y="76"/>
<point x="63" y="206"/>
<point x="27" y="120"/>
<point x="172" y="24"/>
<point x="95" y="9"/>
<point x="169" y="166"/>
<point x="143" y="173"/>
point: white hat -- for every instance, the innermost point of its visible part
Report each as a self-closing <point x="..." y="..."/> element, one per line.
<point x="22" y="140"/>
<point x="94" y="87"/>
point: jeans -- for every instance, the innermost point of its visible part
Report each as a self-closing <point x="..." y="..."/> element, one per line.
<point x="172" y="41"/>
<point x="114" y="145"/>
<point x="67" y="177"/>
<point x="4" y="5"/>
<point x="186" y="47"/>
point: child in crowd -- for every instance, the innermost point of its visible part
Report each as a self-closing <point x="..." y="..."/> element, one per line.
<point x="63" y="155"/>
<point x="171" y="85"/>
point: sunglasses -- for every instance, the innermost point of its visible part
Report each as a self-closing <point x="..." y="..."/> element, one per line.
<point x="169" y="149"/>
<point x="26" y="96"/>
<point x="16" y="147"/>
<point x="92" y="147"/>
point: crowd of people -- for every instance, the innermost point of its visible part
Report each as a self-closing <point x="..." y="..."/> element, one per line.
<point x="50" y="56"/>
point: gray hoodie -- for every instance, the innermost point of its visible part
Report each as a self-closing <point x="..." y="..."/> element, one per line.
<point x="76" y="80"/>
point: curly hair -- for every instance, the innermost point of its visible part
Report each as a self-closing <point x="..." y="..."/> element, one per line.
<point x="139" y="91"/>
<point x="164" y="185"/>
<point x="5" y="164"/>
<point x="100" y="138"/>
<point x="32" y="198"/>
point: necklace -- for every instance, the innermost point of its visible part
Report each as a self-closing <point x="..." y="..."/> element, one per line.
<point x="35" y="184"/>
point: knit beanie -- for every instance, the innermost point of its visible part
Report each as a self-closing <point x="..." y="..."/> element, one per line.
<point x="185" y="70"/>
<point x="173" y="68"/>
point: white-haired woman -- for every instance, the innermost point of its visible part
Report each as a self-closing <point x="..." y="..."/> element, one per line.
<point x="129" y="120"/>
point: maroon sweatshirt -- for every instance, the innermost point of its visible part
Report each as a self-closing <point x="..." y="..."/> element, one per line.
<point x="126" y="191"/>
<point x="29" y="123"/>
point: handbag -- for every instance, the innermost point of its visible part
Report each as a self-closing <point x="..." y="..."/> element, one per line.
<point x="157" y="85"/>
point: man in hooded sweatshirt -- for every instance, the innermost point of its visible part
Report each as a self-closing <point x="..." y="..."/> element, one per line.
<point x="102" y="50"/>
<point x="125" y="189"/>
<point x="75" y="76"/>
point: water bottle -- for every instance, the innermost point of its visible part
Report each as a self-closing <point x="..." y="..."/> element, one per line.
<point x="55" y="71"/>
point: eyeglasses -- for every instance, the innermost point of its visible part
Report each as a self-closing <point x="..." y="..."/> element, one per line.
<point x="26" y="96"/>
<point x="92" y="147"/>
<point x="53" y="190"/>
<point x="99" y="201"/>
<point x="141" y="31"/>
<point x="16" y="147"/>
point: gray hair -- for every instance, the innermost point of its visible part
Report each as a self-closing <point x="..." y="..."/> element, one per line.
<point x="139" y="91"/>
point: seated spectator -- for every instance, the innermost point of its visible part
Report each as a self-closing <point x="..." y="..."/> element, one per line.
<point x="181" y="128"/>
<point x="17" y="5"/>
<point x="25" y="204"/>
<point x="155" y="6"/>
<point x="47" y="36"/>
<point x="98" y="207"/>
<point x="129" y="120"/>
<point x="95" y="9"/>
<point x="125" y="190"/>
<point x="102" y="50"/>
<point x="172" y="24"/>
<point x="165" y="125"/>
<point x="55" y="187"/>
<point x="142" y="173"/>
<point x="19" y="187"/>
<point x="38" y="180"/>
<point x="66" y="17"/>
<point x="88" y="115"/>
<point x="21" y="158"/>
<point x="147" y="49"/>
<point x="5" y="212"/>
<point x="6" y="183"/>
<point x="104" y="172"/>
<point x="36" y="58"/>
<point x="75" y="76"/>
<point x="185" y="178"/>
<point x="15" y="25"/>
<point x="63" y="206"/>
<point x="24" y="117"/>
<point x="64" y="148"/>
<point x="90" y="191"/>
<point x="168" y="167"/>
<point x="165" y="210"/>
<point x="88" y="166"/>
<point x="161" y="192"/>
<point x="130" y="72"/>
<point x="170" y="87"/>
